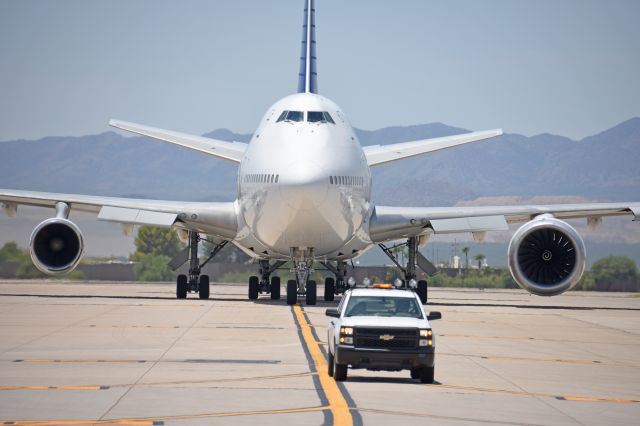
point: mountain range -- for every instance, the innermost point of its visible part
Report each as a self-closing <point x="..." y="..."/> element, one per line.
<point x="600" y="167"/>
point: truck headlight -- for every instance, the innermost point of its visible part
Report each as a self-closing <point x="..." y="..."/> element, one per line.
<point x="346" y="330"/>
<point x="426" y="333"/>
<point x="346" y="340"/>
<point x="425" y="342"/>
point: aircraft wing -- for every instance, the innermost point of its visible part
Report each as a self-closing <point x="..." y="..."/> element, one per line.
<point x="390" y="223"/>
<point x="218" y="219"/>
<point x="233" y="151"/>
<point x="381" y="154"/>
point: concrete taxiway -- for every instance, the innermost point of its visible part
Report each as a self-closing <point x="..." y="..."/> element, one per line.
<point x="131" y="354"/>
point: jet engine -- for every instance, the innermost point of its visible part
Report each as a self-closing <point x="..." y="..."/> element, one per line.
<point x="56" y="246"/>
<point x="546" y="256"/>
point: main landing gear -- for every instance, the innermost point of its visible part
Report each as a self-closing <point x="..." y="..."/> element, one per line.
<point x="193" y="282"/>
<point x="409" y="271"/>
<point x="338" y="285"/>
<point x="266" y="283"/>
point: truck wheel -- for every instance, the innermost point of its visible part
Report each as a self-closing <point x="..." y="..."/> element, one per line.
<point x="339" y="371"/>
<point x="292" y="292"/>
<point x="330" y="365"/>
<point x="422" y="291"/>
<point x="426" y="375"/>
<point x="254" y="286"/>
<point x="415" y="373"/>
<point x="329" y="289"/>
<point x="275" y="288"/>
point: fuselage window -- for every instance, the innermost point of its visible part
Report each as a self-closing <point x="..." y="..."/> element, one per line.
<point x="277" y="177"/>
<point x="331" y="180"/>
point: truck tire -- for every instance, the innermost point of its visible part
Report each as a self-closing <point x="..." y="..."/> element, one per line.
<point x="427" y="374"/>
<point x="415" y="373"/>
<point x="292" y="292"/>
<point x="330" y="365"/>
<point x="339" y="371"/>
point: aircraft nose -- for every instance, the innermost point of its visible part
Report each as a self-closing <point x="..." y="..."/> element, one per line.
<point x="303" y="185"/>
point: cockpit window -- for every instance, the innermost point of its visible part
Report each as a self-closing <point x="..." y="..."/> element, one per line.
<point x="291" y="116"/>
<point x="319" y="117"/>
<point x="282" y="116"/>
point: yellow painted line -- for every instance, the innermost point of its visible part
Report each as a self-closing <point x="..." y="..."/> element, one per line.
<point x="544" y="395"/>
<point x="82" y="388"/>
<point x="144" y="421"/>
<point x="337" y="403"/>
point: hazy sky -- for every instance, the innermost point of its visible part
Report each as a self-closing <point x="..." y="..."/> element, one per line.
<point x="570" y="67"/>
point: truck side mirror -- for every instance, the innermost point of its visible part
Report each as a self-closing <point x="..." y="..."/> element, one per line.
<point x="434" y="316"/>
<point x="332" y="312"/>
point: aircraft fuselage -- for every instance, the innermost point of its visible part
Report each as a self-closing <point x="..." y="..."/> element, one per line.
<point x="304" y="184"/>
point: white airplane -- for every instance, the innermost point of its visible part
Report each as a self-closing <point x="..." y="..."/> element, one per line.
<point x="304" y="195"/>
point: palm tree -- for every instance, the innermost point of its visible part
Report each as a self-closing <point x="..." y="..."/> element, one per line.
<point x="479" y="258"/>
<point x="465" y="250"/>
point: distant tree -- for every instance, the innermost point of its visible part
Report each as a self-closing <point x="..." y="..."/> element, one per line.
<point x="466" y="250"/>
<point x="479" y="258"/>
<point x="615" y="273"/>
<point x="10" y="252"/>
<point x="157" y="242"/>
<point x="151" y="267"/>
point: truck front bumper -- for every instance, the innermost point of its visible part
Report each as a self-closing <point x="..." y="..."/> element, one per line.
<point x="384" y="359"/>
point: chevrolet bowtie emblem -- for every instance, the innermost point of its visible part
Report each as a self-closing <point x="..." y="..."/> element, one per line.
<point x="387" y="337"/>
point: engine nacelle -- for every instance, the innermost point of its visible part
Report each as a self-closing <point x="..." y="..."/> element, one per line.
<point x="56" y="246"/>
<point x="546" y="256"/>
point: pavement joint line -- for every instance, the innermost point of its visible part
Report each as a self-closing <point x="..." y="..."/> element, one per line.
<point x="61" y="388"/>
<point x="159" y="421"/>
<point x="539" y="394"/>
<point x="115" y="404"/>
<point x="516" y="358"/>
<point x="337" y="402"/>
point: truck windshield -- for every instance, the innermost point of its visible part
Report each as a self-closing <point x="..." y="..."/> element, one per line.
<point x="383" y="307"/>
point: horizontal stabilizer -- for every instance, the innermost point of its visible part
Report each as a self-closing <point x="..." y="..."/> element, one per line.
<point x="233" y="151"/>
<point x="380" y="154"/>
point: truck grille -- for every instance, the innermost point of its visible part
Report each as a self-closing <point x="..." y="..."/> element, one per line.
<point x="386" y="338"/>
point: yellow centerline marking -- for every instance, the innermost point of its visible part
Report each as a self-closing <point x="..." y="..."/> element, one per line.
<point x="144" y="421"/>
<point x="83" y="388"/>
<point x="337" y="403"/>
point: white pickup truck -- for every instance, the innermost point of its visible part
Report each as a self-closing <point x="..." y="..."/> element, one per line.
<point x="381" y="329"/>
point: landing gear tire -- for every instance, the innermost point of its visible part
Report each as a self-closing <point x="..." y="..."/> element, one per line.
<point x="254" y="285"/>
<point x="422" y="291"/>
<point x="292" y="292"/>
<point x="415" y="373"/>
<point x="330" y="365"/>
<point x="339" y="371"/>
<point x="275" y="288"/>
<point x="181" y="286"/>
<point x="427" y="374"/>
<point x="329" y="289"/>
<point x="312" y="290"/>
<point x="203" y="287"/>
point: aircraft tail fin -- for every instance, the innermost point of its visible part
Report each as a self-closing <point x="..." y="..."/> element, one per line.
<point x="308" y="75"/>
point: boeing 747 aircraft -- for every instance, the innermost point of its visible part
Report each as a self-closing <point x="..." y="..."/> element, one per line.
<point x="304" y="196"/>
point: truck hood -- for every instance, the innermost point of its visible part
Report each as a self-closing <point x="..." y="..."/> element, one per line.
<point x="372" y="321"/>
